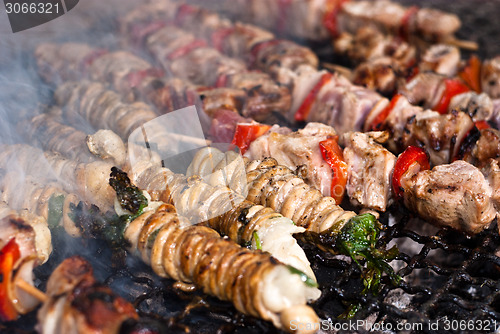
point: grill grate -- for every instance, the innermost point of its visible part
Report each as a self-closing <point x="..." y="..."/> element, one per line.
<point x="447" y="276"/>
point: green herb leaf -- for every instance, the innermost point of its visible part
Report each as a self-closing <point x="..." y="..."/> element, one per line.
<point x="358" y="239"/>
<point x="258" y="244"/>
<point x="56" y="204"/>
<point x="129" y="196"/>
<point x="303" y="276"/>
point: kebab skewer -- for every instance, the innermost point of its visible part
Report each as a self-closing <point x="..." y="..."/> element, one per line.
<point x="374" y="176"/>
<point x="332" y="100"/>
<point x="137" y="80"/>
<point x="25" y="242"/>
<point x="253" y="281"/>
<point x="77" y="303"/>
<point x="327" y="225"/>
<point x="258" y="309"/>
<point x="176" y="50"/>
<point x="325" y="19"/>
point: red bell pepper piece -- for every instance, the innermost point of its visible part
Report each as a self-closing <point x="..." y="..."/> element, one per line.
<point x="404" y="28"/>
<point x="471" y="74"/>
<point x="305" y="107"/>
<point x="183" y="12"/>
<point x="257" y="48"/>
<point x="135" y="78"/>
<point x="8" y="257"/>
<point x="481" y="125"/>
<point x="185" y="49"/>
<point x="246" y="133"/>
<point x="382" y="116"/>
<point x="411" y="155"/>
<point x="334" y="157"/>
<point x="330" y="17"/>
<point x="283" y="17"/>
<point x="90" y="58"/>
<point x="453" y="87"/>
<point x="220" y="36"/>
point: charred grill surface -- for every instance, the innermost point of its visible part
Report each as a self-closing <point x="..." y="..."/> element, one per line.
<point x="445" y="273"/>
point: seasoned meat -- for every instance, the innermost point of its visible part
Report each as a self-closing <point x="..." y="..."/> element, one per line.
<point x="440" y="134"/>
<point x="425" y="88"/>
<point x="298" y="149"/>
<point x="441" y="59"/>
<point x="455" y="195"/>
<point x="490" y="77"/>
<point x="369" y="171"/>
<point x="342" y="105"/>
<point x="378" y="75"/>
<point x="487" y="147"/>
<point x="477" y="106"/>
<point x="78" y="304"/>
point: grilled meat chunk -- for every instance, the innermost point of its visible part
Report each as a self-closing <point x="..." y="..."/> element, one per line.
<point x="369" y="171"/>
<point x="477" y="106"/>
<point x="440" y="134"/>
<point x="456" y="195"/>
<point x="197" y="255"/>
<point x="298" y="149"/>
<point x="490" y="77"/>
<point x="78" y="304"/>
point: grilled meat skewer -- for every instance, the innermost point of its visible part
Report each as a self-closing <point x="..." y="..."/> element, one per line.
<point x="327" y="225"/>
<point x="77" y="303"/>
<point x="237" y="41"/>
<point x="253" y="281"/>
<point x="371" y="185"/>
<point x="138" y="80"/>
<point x="84" y="179"/>
<point x="225" y="211"/>
<point x="176" y="50"/>
<point x="25" y="242"/>
<point x="53" y="135"/>
<point x="325" y="19"/>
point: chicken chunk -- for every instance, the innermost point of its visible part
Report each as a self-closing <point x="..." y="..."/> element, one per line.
<point x="369" y="171"/>
<point x="456" y="195"/>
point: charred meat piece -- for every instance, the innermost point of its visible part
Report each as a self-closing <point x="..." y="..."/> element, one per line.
<point x="440" y="134"/>
<point x="378" y="75"/>
<point x="478" y="106"/>
<point x="441" y="59"/>
<point x="77" y="303"/>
